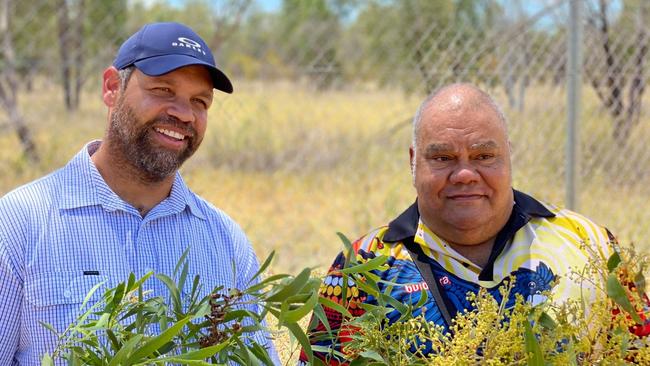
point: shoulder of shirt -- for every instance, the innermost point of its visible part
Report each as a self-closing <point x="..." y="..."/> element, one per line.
<point x="37" y="194"/>
<point x="372" y="241"/>
<point x="212" y="213"/>
<point x="24" y="205"/>
<point x="584" y="227"/>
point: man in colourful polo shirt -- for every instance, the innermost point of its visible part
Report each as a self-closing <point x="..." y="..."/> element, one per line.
<point x="468" y="227"/>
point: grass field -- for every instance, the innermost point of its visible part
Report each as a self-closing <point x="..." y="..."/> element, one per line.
<point x="293" y="166"/>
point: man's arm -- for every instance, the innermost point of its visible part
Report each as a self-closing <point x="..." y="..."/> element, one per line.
<point x="11" y="290"/>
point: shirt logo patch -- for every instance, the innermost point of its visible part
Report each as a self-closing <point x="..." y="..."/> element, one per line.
<point x="416" y="287"/>
<point x="445" y="281"/>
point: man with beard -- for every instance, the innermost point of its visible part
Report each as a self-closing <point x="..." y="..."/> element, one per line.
<point x="120" y="206"/>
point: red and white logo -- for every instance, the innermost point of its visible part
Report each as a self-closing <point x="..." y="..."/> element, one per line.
<point x="416" y="287"/>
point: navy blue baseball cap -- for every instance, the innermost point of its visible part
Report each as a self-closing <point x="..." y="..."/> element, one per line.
<point x="159" y="48"/>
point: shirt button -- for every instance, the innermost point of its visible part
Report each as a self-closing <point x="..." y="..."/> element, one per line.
<point x="67" y="293"/>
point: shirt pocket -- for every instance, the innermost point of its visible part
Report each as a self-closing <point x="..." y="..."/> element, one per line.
<point x="61" y="288"/>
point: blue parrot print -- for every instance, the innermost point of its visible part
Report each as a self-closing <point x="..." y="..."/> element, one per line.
<point x="530" y="284"/>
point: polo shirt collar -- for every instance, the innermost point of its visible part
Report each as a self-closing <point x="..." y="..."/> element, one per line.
<point x="83" y="185"/>
<point x="525" y="207"/>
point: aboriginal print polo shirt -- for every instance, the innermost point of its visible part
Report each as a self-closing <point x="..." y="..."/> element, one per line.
<point x="540" y="244"/>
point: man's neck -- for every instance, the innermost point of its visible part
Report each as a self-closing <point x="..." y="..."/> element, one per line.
<point x="128" y="183"/>
<point x="478" y="254"/>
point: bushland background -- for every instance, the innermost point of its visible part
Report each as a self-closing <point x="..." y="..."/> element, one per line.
<point x="314" y="140"/>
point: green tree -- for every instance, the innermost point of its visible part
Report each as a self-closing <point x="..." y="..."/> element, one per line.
<point x="308" y="32"/>
<point x="421" y="43"/>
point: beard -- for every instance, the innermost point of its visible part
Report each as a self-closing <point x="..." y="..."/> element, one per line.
<point x="131" y="141"/>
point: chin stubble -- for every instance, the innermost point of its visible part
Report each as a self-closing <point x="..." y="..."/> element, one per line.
<point x="131" y="142"/>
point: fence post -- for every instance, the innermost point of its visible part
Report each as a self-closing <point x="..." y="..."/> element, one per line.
<point x="574" y="85"/>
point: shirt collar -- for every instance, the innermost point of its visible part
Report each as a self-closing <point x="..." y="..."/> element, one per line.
<point x="83" y="185"/>
<point x="525" y="207"/>
<point x="406" y="224"/>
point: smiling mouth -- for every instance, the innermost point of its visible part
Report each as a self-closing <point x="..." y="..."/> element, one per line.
<point x="169" y="133"/>
<point x="466" y="197"/>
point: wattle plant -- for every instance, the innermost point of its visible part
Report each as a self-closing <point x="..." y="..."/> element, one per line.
<point x="612" y="329"/>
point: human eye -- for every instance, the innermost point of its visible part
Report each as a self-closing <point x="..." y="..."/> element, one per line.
<point x="161" y="90"/>
<point x="441" y="158"/>
<point x="484" y="156"/>
<point x="201" y="102"/>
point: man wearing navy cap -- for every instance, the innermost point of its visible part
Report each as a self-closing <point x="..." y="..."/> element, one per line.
<point x="120" y="206"/>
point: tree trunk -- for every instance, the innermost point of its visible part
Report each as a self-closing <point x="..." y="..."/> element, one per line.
<point x="9" y="84"/>
<point x="78" y="26"/>
<point x="65" y="50"/>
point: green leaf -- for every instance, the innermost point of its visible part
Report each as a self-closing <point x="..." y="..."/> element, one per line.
<point x="547" y="321"/>
<point x="617" y="292"/>
<point x="196" y="288"/>
<point x="302" y="338"/>
<point x="174" y="292"/>
<point x="639" y="282"/>
<point x="335" y="306"/>
<point x="183" y="276"/>
<point x="91" y="293"/>
<point x="116" y="297"/>
<point x="367" y="266"/>
<point x="625" y="341"/>
<point x="181" y="260"/>
<point x="424" y="296"/>
<point x="292" y="288"/>
<point x="292" y="316"/>
<point x="152" y="345"/>
<point x="613" y="261"/>
<point x="47" y="360"/>
<point x="200" y="354"/>
<point x="263" y="267"/>
<point x="175" y="360"/>
<point x="535" y="357"/>
<point x="319" y="314"/>
<point x="240" y="314"/>
<point x="128" y="347"/>
<point x="373" y="355"/>
<point x="49" y="327"/>
<point x="111" y="337"/>
<point x="265" y="282"/>
<point x="243" y="353"/>
<point x="261" y="353"/>
<point x="346" y="242"/>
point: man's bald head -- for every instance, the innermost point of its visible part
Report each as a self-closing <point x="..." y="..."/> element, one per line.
<point x="454" y="97"/>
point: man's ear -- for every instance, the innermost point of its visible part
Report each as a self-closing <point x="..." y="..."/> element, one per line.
<point x="110" y="86"/>
<point x="412" y="160"/>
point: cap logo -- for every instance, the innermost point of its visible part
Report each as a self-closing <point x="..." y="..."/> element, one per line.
<point x="188" y="43"/>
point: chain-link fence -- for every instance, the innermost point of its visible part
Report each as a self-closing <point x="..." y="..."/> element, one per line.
<point x="327" y="88"/>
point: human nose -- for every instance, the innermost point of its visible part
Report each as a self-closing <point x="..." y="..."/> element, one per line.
<point x="464" y="173"/>
<point x="182" y="110"/>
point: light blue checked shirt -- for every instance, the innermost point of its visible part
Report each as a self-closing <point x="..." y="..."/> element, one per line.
<point x="64" y="233"/>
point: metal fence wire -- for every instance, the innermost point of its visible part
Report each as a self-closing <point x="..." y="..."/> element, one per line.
<point x="345" y="53"/>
